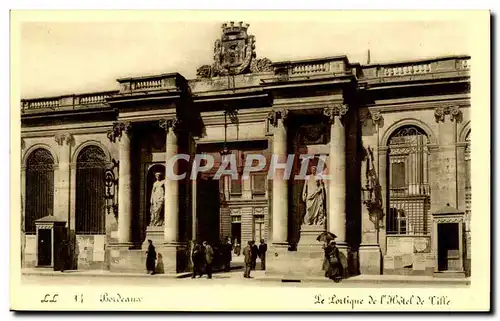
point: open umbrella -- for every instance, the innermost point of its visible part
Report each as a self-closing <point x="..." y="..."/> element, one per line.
<point x="326" y="237"/>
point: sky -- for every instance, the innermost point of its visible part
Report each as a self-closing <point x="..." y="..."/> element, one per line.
<point x="60" y="57"/>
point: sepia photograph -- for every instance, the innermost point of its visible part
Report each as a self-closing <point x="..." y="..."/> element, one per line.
<point x="316" y="161"/>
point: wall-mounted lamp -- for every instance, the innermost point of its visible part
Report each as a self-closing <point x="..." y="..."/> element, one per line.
<point x="111" y="194"/>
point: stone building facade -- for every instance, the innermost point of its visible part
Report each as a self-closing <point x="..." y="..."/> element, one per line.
<point x="396" y="136"/>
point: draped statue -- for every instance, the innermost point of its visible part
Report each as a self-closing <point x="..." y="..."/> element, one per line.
<point x="157" y="201"/>
<point x="314" y="194"/>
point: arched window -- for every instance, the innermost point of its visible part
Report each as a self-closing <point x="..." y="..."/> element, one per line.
<point x="39" y="188"/>
<point x="408" y="192"/>
<point x="90" y="191"/>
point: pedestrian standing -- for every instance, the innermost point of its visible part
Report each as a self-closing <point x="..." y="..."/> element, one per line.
<point x="63" y="255"/>
<point x="247" y="253"/>
<point x="255" y="254"/>
<point x="151" y="258"/>
<point x="197" y="258"/>
<point x="262" y="254"/>
<point x="335" y="266"/>
<point x="229" y="255"/>
<point x="209" y="258"/>
<point x="237" y="248"/>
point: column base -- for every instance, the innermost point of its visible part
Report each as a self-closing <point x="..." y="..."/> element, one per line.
<point x="307" y="261"/>
<point x="173" y="257"/>
<point x="155" y="234"/>
<point x="370" y="259"/>
<point x="123" y="258"/>
<point x="309" y="234"/>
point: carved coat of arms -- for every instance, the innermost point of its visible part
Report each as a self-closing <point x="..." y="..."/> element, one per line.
<point x="234" y="53"/>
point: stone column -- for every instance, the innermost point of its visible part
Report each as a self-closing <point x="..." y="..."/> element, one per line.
<point x="337" y="170"/>
<point x="124" y="184"/>
<point x="171" y="186"/>
<point x="62" y="199"/>
<point x="277" y="118"/>
<point x="445" y="179"/>
<point x="369" y="250"/>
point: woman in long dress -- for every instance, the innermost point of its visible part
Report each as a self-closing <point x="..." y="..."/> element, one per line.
<point x="157" y="201"/>
<point x="151" y="258"/>
<point x="332" y="256"/>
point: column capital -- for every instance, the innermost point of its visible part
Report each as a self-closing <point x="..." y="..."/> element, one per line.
<point x="453" y="111"/>
<point x="118" y="130"/>
<point x="276" y="114"/>
<point x="335" y="110"/>
<point x="62" y="138"/>
<point x="170" y="123"/>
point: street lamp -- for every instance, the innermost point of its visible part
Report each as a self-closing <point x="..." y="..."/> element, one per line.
<point x="111" y="194"/>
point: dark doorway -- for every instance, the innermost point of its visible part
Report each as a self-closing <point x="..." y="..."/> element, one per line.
<point x="44" y="247"/>
<point x="448" y="247"/>
<point x="208" y="210"/>
<point x="236" y="232"/>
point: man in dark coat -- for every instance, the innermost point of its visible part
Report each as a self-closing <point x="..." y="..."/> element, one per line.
<point x="198" y="257"/>
<point x="255" y="254"/>
<point x="63" y="255"/>
<point x="209" y="258"/>
<point x="247" y="253"/>
<point x="262" y="254"/>
<point x="228" y="254"/>
<point x="151" y="258"/>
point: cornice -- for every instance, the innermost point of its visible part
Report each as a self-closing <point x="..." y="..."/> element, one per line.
<point x="409" y="105"/>
<point x="75" y="129"/>
<point x="244" y="116"/>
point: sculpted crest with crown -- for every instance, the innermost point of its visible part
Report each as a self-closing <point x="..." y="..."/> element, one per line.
<point x="234" y="53"/>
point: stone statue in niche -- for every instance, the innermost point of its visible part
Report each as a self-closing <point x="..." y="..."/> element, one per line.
<point x="157" y="201"/>
<point x="314" y="196"/>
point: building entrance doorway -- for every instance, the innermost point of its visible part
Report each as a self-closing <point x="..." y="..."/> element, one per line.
<point x="208" y="210"/>
<point x="236" y="230"/>
<point x="44" y="247"/>
<point x="448" y="247"/>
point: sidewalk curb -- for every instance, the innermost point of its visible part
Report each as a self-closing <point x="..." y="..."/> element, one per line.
<point x="356" y="280"/>
<point x="106" y="274"/>
<point x="87" y="273"/>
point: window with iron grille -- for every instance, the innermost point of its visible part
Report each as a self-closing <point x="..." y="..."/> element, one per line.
<point x="408" y="192"/>
<point x="39" y="188"/>
<point x="90" y="191"/>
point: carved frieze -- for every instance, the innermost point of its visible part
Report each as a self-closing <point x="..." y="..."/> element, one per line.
<point x="453" y="111"/>
<point x="62" y="138"/>
<point x="277" y="114"/>
<point x="261" y="65"/>
<point x="118" y="129"/>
